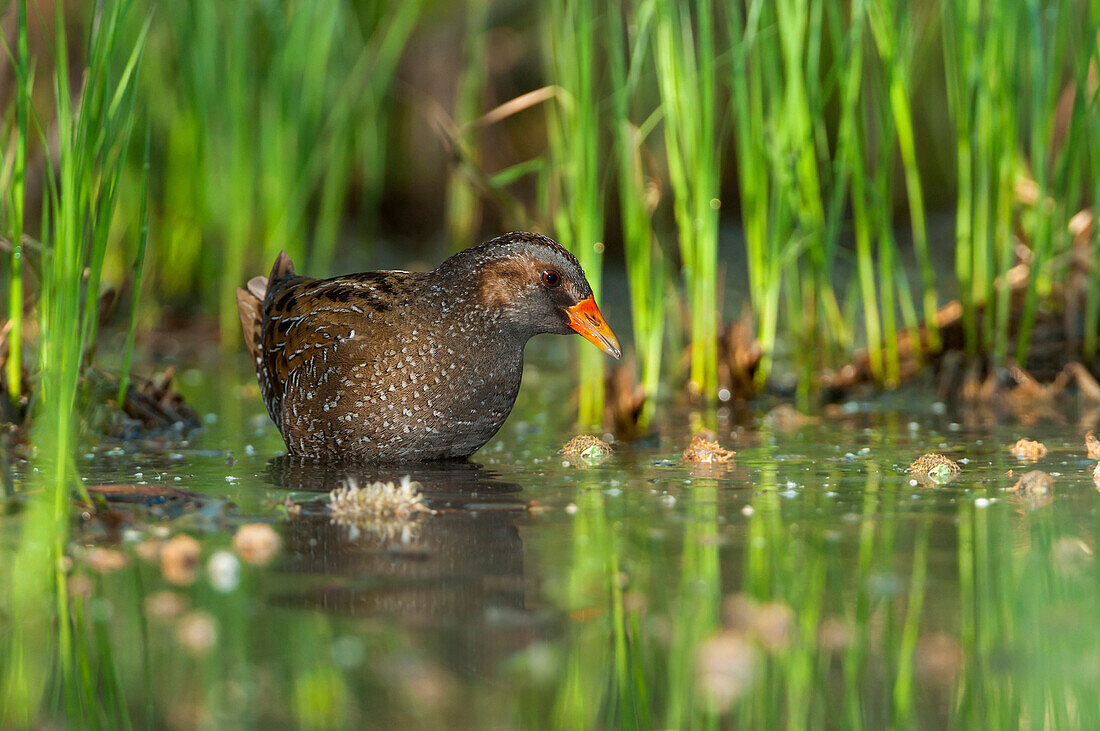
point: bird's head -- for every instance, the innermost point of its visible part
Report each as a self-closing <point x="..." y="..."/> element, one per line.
<point x="533" y="283"/>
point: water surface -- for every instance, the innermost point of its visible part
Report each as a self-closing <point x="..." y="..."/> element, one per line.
<point x="809" y="583"/>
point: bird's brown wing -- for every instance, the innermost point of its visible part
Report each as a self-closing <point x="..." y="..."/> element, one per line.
<point x="312" y="325"/>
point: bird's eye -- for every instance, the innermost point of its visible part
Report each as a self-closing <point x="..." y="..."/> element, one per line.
<point x="551" y="278"/>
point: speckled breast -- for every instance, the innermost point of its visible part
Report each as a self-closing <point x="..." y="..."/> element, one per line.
<point x="409" y="396"/>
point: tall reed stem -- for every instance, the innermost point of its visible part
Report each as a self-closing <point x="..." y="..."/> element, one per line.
<point x="136" y="277"/>
<point x="888" y="24"/>
<point x="17" y="203"/>
<point x="93" y="128"/>
<point x="685" y="54"/>
<point x="574" y="144"/>
<point x="628" y="48"/>
<point x="463" y="202"/>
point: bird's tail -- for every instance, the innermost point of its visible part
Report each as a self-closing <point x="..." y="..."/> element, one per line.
<point x="250" y="306"/>
<point x="282" y="268"/>
<point x="250" y="303"/>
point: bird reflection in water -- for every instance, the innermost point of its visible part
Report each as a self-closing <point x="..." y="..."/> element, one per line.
<point x="457" y="573"/>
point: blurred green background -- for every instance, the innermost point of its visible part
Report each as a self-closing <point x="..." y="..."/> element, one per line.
<point x="846" y="167"/>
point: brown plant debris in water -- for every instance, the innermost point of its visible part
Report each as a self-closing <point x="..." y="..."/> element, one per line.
<point x="197" y="632"/>
<point x="1049" y="354"/>
<point x="1096" y="476"/>
<point x="934" y="467"/>
<point x="910" y="351"/>
<point x="378" y="501"/>
<point x="149" y="549"/>
<point x="739" y="355"/>
<point x="625" y="398"/>
<point x="1092" y="444"/>
<point x="292" y="508"/>
<point x="1034" y="490"/>
<point x="537" y="507"/>
<point x="256" y="543"/>
<point x="835" y="634"/>
<point x="104" y="560"/>
<point x="738" y="611"/>
<point x="938" y="657"/>
<point x="771" y="624"/>
<point x="151" y="406"/>
<point x="124" y="493"/>
<point x="1029" y="390"/>
<point x="588" y="447"/>
<point x="1035" y="482"/>
<point x="165" y="604"/>
<point x="774" y="626"/>
<point x="80" y="586"/>
<point x="787" y="418"/>
<point x="726" y="667"/>
<point x="1029" y="450"/>
<point x="179" y="559"/>
<point x="703" y="450"/>
<point x="1087" y="384"/>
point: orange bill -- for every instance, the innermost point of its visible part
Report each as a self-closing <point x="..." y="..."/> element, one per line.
<point x="585" y="318"/>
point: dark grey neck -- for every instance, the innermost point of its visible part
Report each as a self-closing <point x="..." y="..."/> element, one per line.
<point x="454" y="295"/>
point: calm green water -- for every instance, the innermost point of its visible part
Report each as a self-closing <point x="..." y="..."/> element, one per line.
<point x="807" y="584"/>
